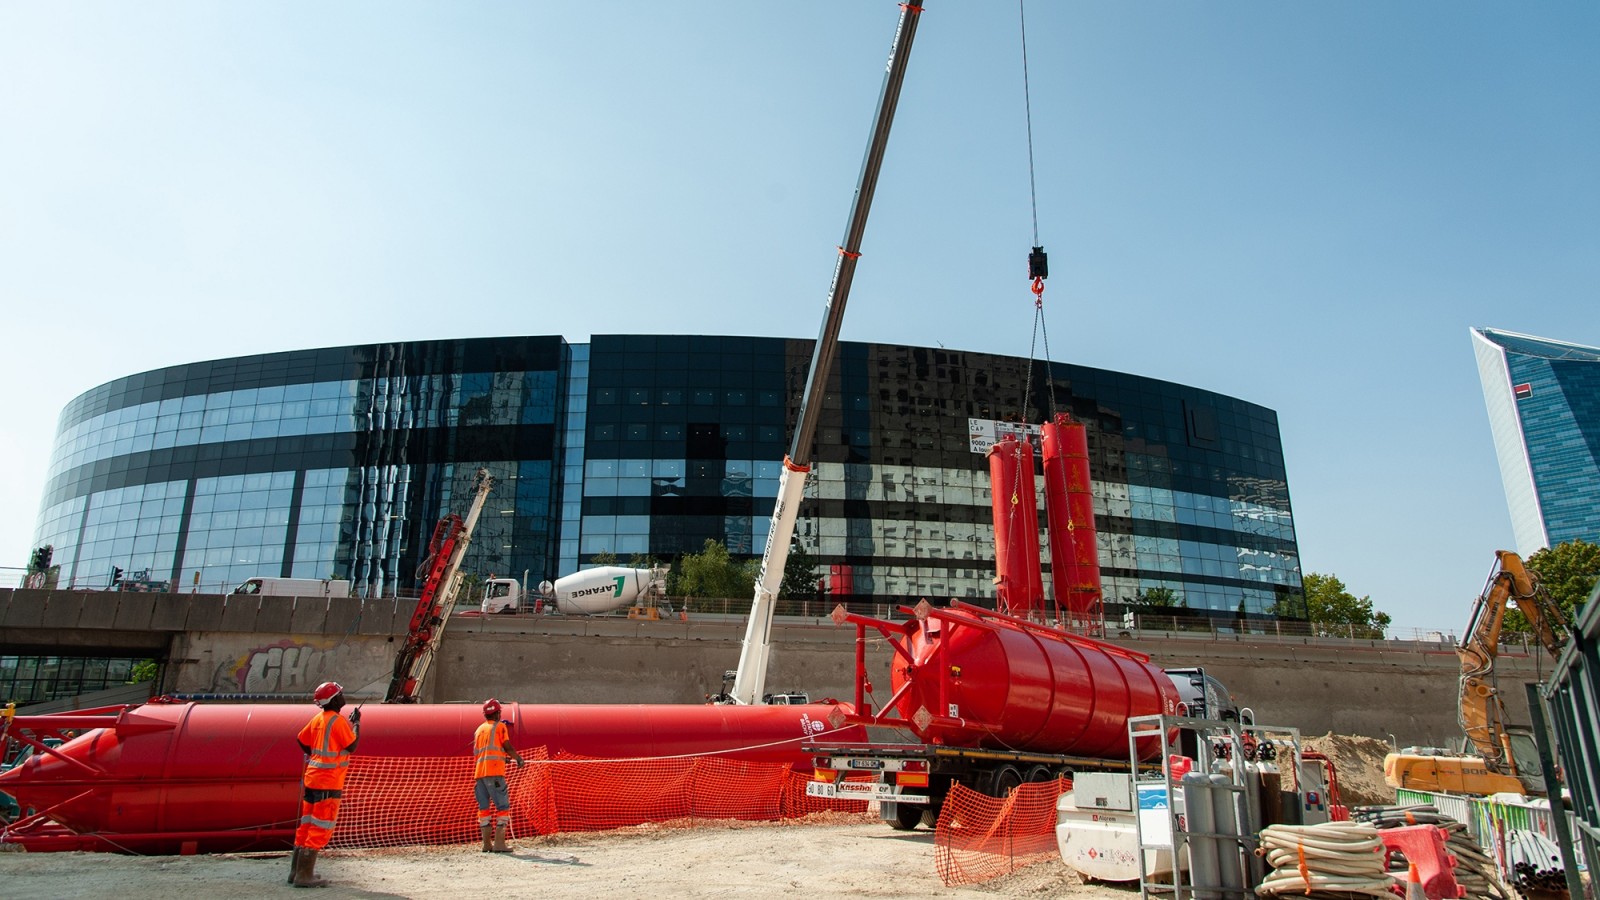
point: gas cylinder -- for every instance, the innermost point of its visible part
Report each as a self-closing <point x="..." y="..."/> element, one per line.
<point x="978" y="678"/>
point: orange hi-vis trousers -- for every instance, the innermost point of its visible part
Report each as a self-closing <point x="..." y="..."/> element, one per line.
<point x="316" y="821"/>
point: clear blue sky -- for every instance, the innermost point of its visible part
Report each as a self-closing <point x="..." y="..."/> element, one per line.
<point x="1302" y="205"/>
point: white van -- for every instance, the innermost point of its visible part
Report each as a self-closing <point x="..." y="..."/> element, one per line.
<point x="294" y="587"/>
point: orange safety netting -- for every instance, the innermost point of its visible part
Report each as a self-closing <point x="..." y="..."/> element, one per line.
<point x="979" y="837"/>
<point x="395" y="801"/>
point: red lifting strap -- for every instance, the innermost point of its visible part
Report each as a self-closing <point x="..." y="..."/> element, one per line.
<point x="911" y="7"/>
<point x="847" y="254"/>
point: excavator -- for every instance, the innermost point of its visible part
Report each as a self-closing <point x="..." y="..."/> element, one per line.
<point x="1495" y="768"/>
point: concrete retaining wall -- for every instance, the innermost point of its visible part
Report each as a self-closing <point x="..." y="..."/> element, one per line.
<point x="286" y="646"/>
<point x="289" y="666"/>
<point x="99" y="618"/>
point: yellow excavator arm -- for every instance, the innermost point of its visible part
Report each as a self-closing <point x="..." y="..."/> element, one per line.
<point x="1482" y="714"/>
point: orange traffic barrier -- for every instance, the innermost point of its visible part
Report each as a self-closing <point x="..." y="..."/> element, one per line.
<point x="1423" y="848"/>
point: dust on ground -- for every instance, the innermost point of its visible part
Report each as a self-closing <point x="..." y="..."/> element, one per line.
<point x="860" y="859"/>
<point x="1358" y="762"/>
<point x="827" y="855"/>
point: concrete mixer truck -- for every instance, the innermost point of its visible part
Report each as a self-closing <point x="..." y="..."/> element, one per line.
<point x="586" y="593"/>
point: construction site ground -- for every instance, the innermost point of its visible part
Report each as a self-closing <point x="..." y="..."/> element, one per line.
<point x="824" y="856"/>
<point x="716" y="860"/>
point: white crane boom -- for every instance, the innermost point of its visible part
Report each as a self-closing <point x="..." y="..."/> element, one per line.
<point x="751" y="677"/>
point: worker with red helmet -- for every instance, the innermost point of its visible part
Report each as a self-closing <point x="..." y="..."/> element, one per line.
<point x="491" y="747"/>
<point x="328" y="740"/>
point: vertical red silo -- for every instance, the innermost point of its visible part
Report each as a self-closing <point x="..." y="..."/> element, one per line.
<point x="1063" y="559"/>
<point x="1083" y="596"/>
<point x="1019" y="586"/>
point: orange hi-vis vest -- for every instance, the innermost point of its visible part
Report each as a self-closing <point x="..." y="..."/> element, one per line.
<point x="488" y="751"/>
<point x="329" y="737"/>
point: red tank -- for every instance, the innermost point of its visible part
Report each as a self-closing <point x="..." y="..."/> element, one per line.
<point x="1019" y="587"/>
<point x="964" y="676"/>
<point x="222" y="775"/>
<point x="1069" y="510"/>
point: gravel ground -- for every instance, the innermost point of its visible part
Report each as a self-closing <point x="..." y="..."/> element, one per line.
<point x="817" y="860"/>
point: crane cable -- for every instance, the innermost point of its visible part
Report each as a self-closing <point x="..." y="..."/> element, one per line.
<point x="1038" y="260"/>
<point x="1038" y="270"/>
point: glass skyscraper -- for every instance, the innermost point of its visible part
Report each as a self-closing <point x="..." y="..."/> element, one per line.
<point x="1543" y="398"/>
<point x="338" y="462"/>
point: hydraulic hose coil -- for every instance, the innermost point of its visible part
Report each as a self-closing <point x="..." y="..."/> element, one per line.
<point x="1344" y="857"/>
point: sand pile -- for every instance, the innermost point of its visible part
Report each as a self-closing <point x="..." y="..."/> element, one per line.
<point x="1358" y="761"/>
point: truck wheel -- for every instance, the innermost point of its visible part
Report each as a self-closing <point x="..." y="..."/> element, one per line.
<point x="907" y="817"/>
<point x="930" y="817"/>
<point x="1041" y="773"/>
<point x="1006" y="779"/>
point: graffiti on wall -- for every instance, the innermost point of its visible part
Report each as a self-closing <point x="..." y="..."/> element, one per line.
<point x="288" y="666"/>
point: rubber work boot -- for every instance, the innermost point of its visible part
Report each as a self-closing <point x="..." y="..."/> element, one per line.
<point x="486" y="830"/>
<point x="305" y="875"/>
<point x="500" y="830"/>
<point x="294" y="863"/>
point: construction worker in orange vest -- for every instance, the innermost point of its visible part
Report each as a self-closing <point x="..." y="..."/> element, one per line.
<point x="328" y="740"/>
<point x="491" y="747"/>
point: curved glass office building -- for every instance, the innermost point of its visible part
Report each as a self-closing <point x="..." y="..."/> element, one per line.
<point x="338" y="462"/>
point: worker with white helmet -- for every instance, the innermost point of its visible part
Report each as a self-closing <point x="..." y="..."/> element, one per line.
<point x="491" y="747"/>
<point x="328" y="740"/>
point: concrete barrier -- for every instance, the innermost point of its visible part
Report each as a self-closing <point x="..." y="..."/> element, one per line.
<point x="1375" y="688"/>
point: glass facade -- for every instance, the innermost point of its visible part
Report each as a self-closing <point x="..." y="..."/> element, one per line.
<point x="686" y="435"/>
<point x="1543" y="399"/>
<point x="338" y="462"/>
<point x="318" y="463"/>
<point x="35" y="679"/>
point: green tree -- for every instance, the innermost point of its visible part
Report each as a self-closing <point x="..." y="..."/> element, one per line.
<point x="799" y="574"/>
<point x="713" y="573"/>
<point x="643" y="561"/>
<point x="1160" y="598"/>
<point x="603" y="558"/>
<point x="1332" y="609"/>
<point x="1567" y="572"/>
<point x="144" y="670"/>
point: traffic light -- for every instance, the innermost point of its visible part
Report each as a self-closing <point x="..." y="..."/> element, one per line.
<point x="40" y="560"/>
<point x="116" y="575"/>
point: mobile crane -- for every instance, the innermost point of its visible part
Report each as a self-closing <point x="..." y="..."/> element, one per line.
<point x="446" y="549"/>
<point x="1482" y="713"/>
<point x="750" y="678"/>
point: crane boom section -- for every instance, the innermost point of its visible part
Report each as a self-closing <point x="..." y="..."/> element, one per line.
<point x="447" y="549"/>
<point x="750" y="679"/>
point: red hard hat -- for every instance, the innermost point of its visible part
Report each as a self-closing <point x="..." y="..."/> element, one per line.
<point x="491" y="707"/>
<point x="326" y="691"/>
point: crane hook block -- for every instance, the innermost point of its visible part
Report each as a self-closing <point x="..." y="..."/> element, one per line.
<point x="1038" y="263"/>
